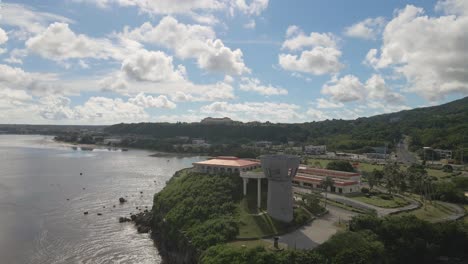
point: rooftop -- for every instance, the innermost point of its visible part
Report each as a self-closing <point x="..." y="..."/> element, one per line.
<point x="325" y="172"/>
<point x="229" y="161"/>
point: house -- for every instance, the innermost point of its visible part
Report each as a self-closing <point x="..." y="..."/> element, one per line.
<point x="343" y="182"/>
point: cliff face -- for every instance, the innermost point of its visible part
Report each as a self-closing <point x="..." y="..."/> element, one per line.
<point x="193" y="212"/>
<point x="173" y="249"/>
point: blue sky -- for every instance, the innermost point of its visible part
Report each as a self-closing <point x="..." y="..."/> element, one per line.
<point x="112" y="61"/>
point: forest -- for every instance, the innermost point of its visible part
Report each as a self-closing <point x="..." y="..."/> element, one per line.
<point x="444" y="126"/>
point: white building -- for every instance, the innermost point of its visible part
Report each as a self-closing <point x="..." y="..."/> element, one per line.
<point x="315" y="150"/>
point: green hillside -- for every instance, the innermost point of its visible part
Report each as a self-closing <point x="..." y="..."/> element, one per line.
<point x="443" y="126"/>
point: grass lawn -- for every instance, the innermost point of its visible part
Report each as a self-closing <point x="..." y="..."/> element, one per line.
<point x="380" y="202"/>
<point x="431" y="211"/>
<point x="254" y="223"/>
<point x="250" y="243"/>
<point x="260" y="224"/>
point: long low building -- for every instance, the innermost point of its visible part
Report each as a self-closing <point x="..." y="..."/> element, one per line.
<point x="226" y="164"/>
<point x="343" y="182"/>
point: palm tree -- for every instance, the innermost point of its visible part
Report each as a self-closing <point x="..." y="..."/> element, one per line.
<point x="328" y="182"/>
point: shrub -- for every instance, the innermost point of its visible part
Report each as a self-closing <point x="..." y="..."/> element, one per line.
<point x="447" y="168"/>
<point x="365" y="190"/>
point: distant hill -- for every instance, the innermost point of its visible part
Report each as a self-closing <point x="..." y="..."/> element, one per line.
<point x="444" y="126"/>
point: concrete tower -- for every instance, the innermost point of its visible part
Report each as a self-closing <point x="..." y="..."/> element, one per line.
<point x="280" y="170"/>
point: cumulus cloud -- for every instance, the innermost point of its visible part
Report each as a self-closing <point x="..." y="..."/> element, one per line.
<point x="193" y="8"/>
<point x="366" y="29"/>
<point x="316" y="115"/>
<point x="27" y="20"/>
<point x="17" y="79"/>
<point x="349" y="88"/>
<point x="153" y="66"/>
<point x="452" y="7"/>
<point x="429" y="52"/>
<point x="101" y="110"/>
<point x="256" y="7"/>
<point x="3" y="36"/>
<point x="254" y="85"/>
<point x="319" y="53"/>
<point x="191" y="41"/>
<point x="345" y="89"/>
<point x="58" y="42"/>
<point x="298" y="40"/>
<point x="255" y="111"/>
<point x="10" y="98"/>
<point x="324" y="103"/>
<point x="148" y="101"/>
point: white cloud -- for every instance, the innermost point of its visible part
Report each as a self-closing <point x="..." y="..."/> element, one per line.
<point x="321" y="56"/>
<point x="162" y="7"/>
<point x="253" y="84"/>
<point x="16" y="56"/>
<point x="317" y="115"/>
<point x="27" y="19"/>
<point x="191" y="41"/>
<point x="317" y="61"/>
<point x="376" y="88"/>
<point x="256" y="7"/>
<point x="58" y="42"/>
<point x="200" y="10"/>
<point x="17" y="79"/>
<point x="3" y="36"/>
<point x="324" y="103"/>
<point x="366" y="29"/>
<point x="457" y="7"/>
<point x="345" y="89"/>
<point x="429" y="52"/>
<point x="10" y="98"/>
<point x="255" y="111"/>
<point x="299" y="40"/>
<point x="153" y="66"/>
<point x="349" y="88"/>
<point x="148" y="101"/>
<point x="250" y="25"/>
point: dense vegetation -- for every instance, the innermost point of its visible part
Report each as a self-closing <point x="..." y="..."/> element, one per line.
<point x="200" y="208"/>
<point x="340" y="165"/>
<point x="443" y="126"/>
<point x="195" y="211"/>
<point x="369" y="240"/>
<point x="415" y="179"/>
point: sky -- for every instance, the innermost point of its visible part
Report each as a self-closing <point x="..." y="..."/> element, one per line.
<point x="113" y="61"/>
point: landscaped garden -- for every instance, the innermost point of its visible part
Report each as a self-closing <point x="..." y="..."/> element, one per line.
<point x="383" y="200"/>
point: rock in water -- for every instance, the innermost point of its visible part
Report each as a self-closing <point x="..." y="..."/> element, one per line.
<point x="85" y="213"/>
<point x="122" y="200"/>
<point x="124" y="219"/>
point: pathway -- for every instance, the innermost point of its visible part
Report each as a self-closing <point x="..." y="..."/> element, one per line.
<point x="318" y="231"/>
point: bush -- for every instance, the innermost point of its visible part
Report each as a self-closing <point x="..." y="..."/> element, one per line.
<point x="386" y="196"/>
<point x="365" y="190"/>
<point x="447" y="168"/>
<point x="340" y="165"/>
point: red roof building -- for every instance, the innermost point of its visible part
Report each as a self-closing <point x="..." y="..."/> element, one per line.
<point x="227" y="164"/>
<point x="343" y="182"/>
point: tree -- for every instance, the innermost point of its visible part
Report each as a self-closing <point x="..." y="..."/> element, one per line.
<point x="393" y="177"/>
<point x="340" y="165"/>
<point x="371" y="179"/>
<point x="328" y="182"/>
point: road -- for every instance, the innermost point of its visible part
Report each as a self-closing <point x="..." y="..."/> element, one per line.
<point x="404" y="155"/>
<point x="318" y="231"/>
